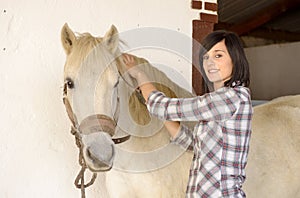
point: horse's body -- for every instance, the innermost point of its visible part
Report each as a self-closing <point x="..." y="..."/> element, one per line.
<point x="273" y="168"/>
<point x="147" y="165"/>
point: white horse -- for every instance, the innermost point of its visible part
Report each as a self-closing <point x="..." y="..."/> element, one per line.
<point x="273" y="168"/>
<point x="147" y="165"/>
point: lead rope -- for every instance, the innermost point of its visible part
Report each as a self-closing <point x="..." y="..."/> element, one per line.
<point x="79" y="181"/>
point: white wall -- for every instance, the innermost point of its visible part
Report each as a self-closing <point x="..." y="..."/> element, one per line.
<point x="275" y="70"/>
<point x="38" y="157"/>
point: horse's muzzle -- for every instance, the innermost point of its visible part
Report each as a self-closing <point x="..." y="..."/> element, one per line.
<point x="98" y="151"/>
<point x="98" y="147"/>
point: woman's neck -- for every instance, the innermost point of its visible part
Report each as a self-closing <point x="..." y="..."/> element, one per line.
<point x="218" y="85"/>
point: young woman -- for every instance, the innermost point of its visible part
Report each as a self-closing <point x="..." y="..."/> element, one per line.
<point x="220" y="140"/>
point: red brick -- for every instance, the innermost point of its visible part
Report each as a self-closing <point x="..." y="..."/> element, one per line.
<point x="197" y="4"/>
<point x="211" y="6"/>
<point x="209" y="17"/>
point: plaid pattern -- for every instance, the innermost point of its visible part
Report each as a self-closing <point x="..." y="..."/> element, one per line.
<point x="220" y="140"/>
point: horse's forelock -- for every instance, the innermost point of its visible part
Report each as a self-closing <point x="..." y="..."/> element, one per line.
<point x="89" y="49"/>
<point x="84" y="44"/>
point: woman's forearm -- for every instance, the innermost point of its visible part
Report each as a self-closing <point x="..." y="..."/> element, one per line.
<point x="172" y="127"/>
<point x="146" y="88"/>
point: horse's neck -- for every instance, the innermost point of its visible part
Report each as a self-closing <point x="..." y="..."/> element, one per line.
<point x="144" y="144"/>
<point x="140" y="113"/>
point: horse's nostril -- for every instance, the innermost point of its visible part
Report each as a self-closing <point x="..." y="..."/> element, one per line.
<point x="113" y="152"/>
<point x="95" y="157"/>
<point x="89" y="154"/>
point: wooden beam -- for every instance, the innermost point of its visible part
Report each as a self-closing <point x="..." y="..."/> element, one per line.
<point x="275" y="35"/>
<point x="265" y="33"/>
<point x="263" y="16"/>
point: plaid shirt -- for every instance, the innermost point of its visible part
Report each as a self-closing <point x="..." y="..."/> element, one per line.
<point x="220" y="139"/>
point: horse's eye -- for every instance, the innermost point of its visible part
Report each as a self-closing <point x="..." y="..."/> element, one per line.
<point x="70" y="83"/>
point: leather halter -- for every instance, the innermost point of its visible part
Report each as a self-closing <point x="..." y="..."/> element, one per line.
<point x="97" y="122"/>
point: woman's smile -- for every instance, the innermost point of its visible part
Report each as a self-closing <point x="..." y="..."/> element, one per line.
<point x="213" y="71"/>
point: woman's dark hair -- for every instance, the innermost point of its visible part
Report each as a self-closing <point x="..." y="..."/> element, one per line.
<point x="240" y="72"/>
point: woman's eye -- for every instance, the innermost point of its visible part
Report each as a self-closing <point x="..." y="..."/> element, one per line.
<point x="205" y="57"/>
<point x="218" y="56"/>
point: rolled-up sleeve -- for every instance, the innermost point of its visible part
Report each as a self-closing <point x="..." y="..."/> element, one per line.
<point x="219" y="105"/>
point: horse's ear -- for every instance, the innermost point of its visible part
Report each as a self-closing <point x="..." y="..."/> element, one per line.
<point x="68" y="38"/>
<point x="111" y="39"/>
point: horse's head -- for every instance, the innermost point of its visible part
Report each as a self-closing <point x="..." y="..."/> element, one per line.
<point x="91" y="76"/>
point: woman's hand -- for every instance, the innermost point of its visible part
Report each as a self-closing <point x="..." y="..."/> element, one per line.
<point x="145" y="86"/>
<point x="130" y="63"/>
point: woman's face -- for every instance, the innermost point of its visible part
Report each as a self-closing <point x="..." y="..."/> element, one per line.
<point x="217" y="64"/>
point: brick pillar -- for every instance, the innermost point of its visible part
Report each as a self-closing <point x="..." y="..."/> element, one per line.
<point x="201" y="27"/>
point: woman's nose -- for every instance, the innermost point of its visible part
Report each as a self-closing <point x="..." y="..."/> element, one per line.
<point x="210" y="62"/>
